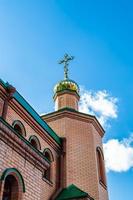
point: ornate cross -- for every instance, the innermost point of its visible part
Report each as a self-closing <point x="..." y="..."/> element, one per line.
<point x="66" y="61"/>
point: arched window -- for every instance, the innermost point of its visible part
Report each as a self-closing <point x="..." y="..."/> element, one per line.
<point x="11" y="190"/>
<point x="49" y="156"/>
<point x="101" y="166"/>
<point x="19" y="127"/>
<point x="13" y="185"/>
<point x="35" y="142"/>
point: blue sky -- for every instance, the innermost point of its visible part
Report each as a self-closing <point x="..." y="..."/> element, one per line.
<point x="34" y="35"/>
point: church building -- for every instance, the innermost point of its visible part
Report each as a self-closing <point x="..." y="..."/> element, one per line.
<point x="56" y="156"/>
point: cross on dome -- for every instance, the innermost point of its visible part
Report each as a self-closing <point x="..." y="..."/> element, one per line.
<point x="66" y="61"/>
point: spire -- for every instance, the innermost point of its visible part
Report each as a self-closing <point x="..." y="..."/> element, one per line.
<point x="66" y="61"/>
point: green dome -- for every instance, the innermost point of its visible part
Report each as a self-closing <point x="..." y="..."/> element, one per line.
<point x="66" y="85"/>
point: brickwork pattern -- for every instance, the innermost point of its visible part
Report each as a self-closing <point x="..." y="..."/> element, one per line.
<point x="103" y="194"/>
<point x="1" y="106"/>
<point x="82" y="140"/>
<point x="30" y="130"/>
<point x="67" y="100"/>
<point x="81" y="163"/>
<point x="36" y="187"/>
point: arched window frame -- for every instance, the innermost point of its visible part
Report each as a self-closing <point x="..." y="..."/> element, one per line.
<point x="19" y="123"/>
<point x="35" y="138"/>
<point x="48" y="172"/>
<point x="101" y="166"/>
<point x="47" y="150"/>
<point x="18" y="177"/>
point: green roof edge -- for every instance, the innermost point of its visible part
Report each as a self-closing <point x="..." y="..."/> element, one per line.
<point x="33" y="113"/>
<point x="3" y="83"/>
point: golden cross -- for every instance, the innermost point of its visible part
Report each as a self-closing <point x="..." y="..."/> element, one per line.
<point x="65" y="61"/>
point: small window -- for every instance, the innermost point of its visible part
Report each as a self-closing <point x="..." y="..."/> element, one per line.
<point x="35" y="142"/>
<point x="19" y="127"/>
<point x="49" y="156"/>
<point x="101" y="166"/>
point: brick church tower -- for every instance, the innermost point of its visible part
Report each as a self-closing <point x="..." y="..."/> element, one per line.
<point x="57" y="156"/>
<point x="83" y="160"/>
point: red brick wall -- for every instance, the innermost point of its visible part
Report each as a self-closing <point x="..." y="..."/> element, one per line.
<point x="1" y="106"/>
<point x="67" y="100"/>
<point x="36" y="188"/>
<point x="30" y="130"/>
<point x="81" y="164"/>
<point x="103" y="194"/>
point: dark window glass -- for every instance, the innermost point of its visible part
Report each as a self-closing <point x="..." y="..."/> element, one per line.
<point x="101" y="167"/>
<point x="17" y="128"/>
<point x="34" y="143"/>
<point x="10" y="188"/>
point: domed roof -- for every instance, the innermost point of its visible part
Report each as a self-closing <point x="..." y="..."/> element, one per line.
<point x="67" y="84"/>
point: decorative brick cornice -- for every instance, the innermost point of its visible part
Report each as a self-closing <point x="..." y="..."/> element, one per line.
<point x="19" y="144"/>
<point x="71" y="113"/>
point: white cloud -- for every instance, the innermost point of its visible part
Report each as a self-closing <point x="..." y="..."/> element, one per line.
<point x="100" y="103"/>
<point x="119" y="154"/>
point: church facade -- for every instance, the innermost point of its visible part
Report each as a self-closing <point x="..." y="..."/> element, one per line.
<point x="57" y="156"/>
